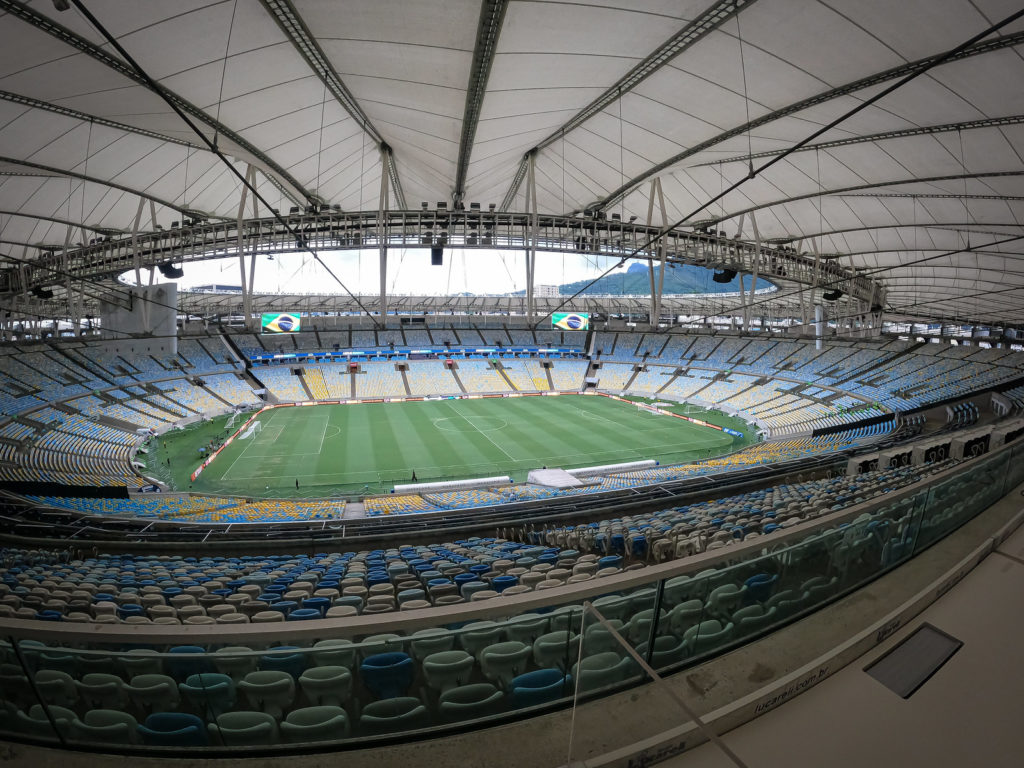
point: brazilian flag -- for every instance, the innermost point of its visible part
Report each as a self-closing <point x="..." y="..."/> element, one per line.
<point x="280" y="322"/>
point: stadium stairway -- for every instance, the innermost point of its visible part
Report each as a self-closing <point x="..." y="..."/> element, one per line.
<point x="250" y="379"/>
<point x="884" y="361"/>
<point x="695" y="395"/>
<point x="636" y="372"/>
<point x="229" y="343"/>
<point x="455" y="375"/>
<point x="28" y="421"/>
<point x="214" y="394"/>
<point x="501" y="370"/>
<point x="110" y="421"/>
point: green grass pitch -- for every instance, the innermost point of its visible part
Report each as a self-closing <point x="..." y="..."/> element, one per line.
<point x="368" y="447"/>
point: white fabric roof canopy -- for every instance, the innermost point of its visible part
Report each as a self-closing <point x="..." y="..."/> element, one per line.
<point x="932" y="209"/>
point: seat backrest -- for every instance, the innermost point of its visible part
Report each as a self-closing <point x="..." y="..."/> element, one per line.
<point x="402" y="712"/>
<point x="173" y="729"/>
<point x="107" y="726"/>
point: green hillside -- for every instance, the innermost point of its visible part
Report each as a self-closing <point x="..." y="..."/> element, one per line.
<point x="685" y="278"/>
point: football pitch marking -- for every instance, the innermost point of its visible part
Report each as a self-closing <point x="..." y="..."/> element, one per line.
<point x="323" y="434"/>
<point x="266" y="467"/>
<point x="465" y="470"/>
<point x="585" y="414"/>
<point x="252" y="441"/>
<point x="489" y="438"/>
<point x="438" y="423"/>
<point x="273" y="433"/>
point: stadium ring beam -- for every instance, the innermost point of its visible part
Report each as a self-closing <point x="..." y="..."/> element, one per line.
<point x="337" y="230"/>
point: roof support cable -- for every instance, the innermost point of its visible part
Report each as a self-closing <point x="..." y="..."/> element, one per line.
<point x="320" y="142"/>
<point x="184" y="187"/>
<point x="819" y="198"/>
<point x="85" y="171"/>
<point x="890" y="268"/>
<point x="938" y="60"/>
<point x="224" y="70"/>
<point x="746" y="100"/>
<point x="300" y="239"/>
<point x="563" y="174"/>
<point x="622" y="158"/>
<point x="963" y="167"/>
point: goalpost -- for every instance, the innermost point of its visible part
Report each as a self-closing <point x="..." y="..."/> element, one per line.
<point x="642" y="408"/>
<point x="254" y="429"/>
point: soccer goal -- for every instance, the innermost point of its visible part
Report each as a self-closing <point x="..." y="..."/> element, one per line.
<point x="233" y="418"/>
<point x="254" y="429"/>
<point x="642" y="408"/>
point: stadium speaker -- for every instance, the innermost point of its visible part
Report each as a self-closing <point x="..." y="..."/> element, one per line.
<point x="436" y="256"/>
<point x="725" y="276"/>
<point x="42" y="293"/>
<point x="171" y="272"/>
<point x="832" y="295"/>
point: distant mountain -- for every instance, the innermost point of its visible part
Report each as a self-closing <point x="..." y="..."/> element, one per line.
<point x="685" y="278"/>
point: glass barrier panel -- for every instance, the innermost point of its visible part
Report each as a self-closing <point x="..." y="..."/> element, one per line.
<point x="36" y="698"/>
<point x="346" y="686"/>
<point x="603" y="664"/>
<point x="333" y="689"/>
<point x="683" y="615"/>
<point x="606" y="670"/>
<point x="1015" y="468"/>
<point x="954" y="500"/>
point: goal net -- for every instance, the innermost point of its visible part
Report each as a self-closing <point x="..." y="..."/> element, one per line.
<point x="254" y="429"/>
<point x="232" y="419"/>
<point x="644" y="408"/>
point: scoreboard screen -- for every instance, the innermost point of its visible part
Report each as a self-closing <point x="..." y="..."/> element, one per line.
<point x="280" y="322"/>
<point x="571" y="321"/>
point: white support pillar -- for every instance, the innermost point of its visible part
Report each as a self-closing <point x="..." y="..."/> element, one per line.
<point x="814" y="283"/>
<point x="872" y="316"/>
<point x="239" y="221"/>
<point x="382" y="237"/>
<point x="657" y="287"/>
<point x="79" y="301"/>
<point x="757" y="267"/>
<point x="531" y="245"/>
<point x="74" y="308"/>
<point x="135" y="241"/>
<point x="255" y="244"/>
<point x="804" y="319"/>
<point x="818" y="314"/>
